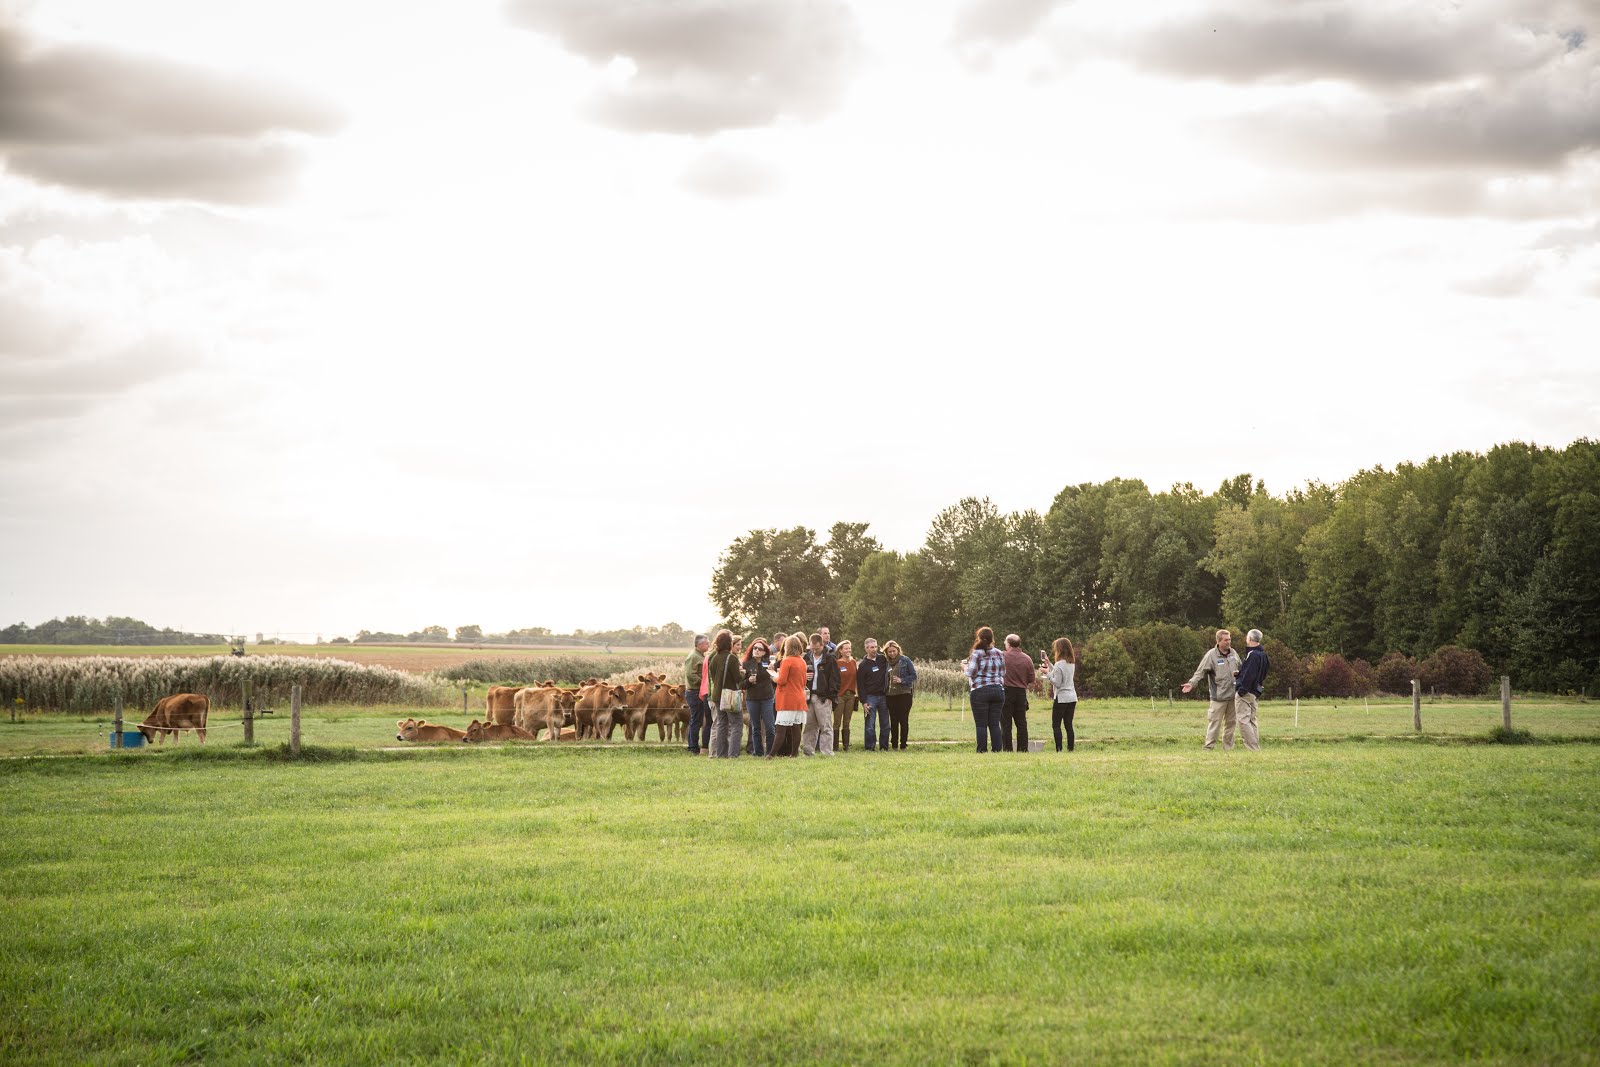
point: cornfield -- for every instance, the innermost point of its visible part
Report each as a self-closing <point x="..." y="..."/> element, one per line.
<point x="92" y="683"/>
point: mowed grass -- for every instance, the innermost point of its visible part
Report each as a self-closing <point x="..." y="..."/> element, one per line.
<point x="1330" y="903"/>
<point x="1098" y="723"/>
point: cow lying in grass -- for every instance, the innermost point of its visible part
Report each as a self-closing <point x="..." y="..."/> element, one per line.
<point x="423" y="730"/>
<point x="493" y="731"/>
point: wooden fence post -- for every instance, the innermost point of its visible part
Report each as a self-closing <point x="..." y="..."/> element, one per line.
<point x="249" y="717"/>
<point x="116" y="741"/>
<point x="1416" y="704"/>
<point x="294" y="721"/>
<point x="1505" y="700"/>
<point x="463" y="699"/>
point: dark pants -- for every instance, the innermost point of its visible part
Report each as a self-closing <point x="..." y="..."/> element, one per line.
<point x="899" y="719"/>
<point x="699" y="718"/>
<point x="762" y="728"/>
<point x="1061" y="714"/>
<point x="1015" y="713"/>
<point x="987" y="703"/>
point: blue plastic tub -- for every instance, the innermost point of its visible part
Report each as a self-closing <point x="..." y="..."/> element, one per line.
<point x="130" y="739"/>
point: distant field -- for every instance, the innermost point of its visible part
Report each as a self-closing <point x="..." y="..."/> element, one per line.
<point x="1100" y="724"/>
<point x="400" y="657"/>
<point x="1328" y="903"/>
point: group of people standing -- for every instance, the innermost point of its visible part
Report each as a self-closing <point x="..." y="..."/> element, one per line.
<point x="799" y="694"/>
<point x="1000" y="681"/>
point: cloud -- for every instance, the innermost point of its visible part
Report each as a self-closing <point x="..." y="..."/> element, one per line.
<point x="80" y="325"/>
<point x="1380" y="46"/>
<point x="134" y="126"/>
<point x="700" y="66"/>
<point x="725" y="175"/>
<point x="1512" y="281"/>
<point x="989" y="23"/>
<point x="1536" y="122"/>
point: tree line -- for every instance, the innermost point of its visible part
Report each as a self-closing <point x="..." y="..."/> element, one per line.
<point x="112" y="630"/>
<point x="669" y="635"/>
<point x="1495" y="555"/>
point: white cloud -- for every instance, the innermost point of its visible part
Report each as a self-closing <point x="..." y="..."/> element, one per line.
<point x="699" y="66"/>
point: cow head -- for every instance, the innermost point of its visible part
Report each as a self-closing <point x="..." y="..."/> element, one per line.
<point x="406" y="729"/>
<point x="474" y="731"/>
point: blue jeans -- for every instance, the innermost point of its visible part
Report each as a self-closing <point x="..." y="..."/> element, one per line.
<point x="986" y="704"/>
<point x="699" y="715"/>
<point x="763" y="719"/>
<point x="876" y="711"/>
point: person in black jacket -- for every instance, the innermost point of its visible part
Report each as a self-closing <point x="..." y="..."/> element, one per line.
<point x="822" y="688"/>
<point x="758" y="695"/>
<point x="872" y="683"/>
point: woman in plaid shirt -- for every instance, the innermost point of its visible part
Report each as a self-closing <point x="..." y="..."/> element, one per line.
<point x="986" y="674"/>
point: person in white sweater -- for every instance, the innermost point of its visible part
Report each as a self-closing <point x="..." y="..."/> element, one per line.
<point x="1065" y="697"/>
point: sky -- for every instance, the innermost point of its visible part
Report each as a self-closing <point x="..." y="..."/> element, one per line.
<point x="319" y="317"/>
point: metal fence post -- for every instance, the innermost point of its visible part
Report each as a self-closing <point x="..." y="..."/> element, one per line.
<point x="116" y="739"/>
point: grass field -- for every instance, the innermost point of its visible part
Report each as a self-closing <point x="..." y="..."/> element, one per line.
<point x="1140" y="902"/>
<point x="1099" y="723"/>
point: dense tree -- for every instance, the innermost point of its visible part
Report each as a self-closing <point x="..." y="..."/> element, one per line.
<point x="1497" y="553"/>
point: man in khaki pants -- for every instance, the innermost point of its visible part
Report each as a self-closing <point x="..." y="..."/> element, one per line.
<point x="1248" y="684"/>
<point x="1218" y="667"/>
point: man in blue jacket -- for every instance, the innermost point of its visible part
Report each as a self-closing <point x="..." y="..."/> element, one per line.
<point x="1248" y="684"/>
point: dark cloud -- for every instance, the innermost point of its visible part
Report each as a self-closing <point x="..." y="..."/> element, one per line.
<point x="1537" y="123"/>
<point x="724" y="175"/>
<point x="1379" y="46"/>
<point x="703" y="65"/>
<point x="127" y="125"/>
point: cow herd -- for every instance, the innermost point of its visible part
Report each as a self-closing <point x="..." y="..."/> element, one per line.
<point x="547" y="711"/>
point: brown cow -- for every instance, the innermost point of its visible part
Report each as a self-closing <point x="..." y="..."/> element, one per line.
<point x="477" y="731"/>
<point x="596" y="707"/>
<point x="669" y="711"/>
<point x="184" y="711"/>
<point x="423" y="730"/>
<point x="499" y="704"/>
<point x="637" y="713"/>
<point x="543" y="709"/>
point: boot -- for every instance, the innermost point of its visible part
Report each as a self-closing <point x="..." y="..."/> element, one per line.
<point x="844" y="739"/>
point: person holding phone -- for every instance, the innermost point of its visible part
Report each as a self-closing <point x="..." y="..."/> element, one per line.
<point x="1063" y="695"/>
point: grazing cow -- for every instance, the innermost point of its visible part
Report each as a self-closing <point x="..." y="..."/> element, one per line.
<point x="171" y="715"/>
<point x="596" y="707"/>
<point x="543" y="709"/>
<point x="499" y="704"/>
<point x="478" y="731"/>
<point x="423" y="730"/>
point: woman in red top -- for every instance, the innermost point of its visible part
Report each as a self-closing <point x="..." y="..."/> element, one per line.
<point x="844" y="705"/>
<point x="791" y="700"/>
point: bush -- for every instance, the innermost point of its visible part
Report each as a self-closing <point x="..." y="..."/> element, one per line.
<point x="1366" y="677"/>
<point x="1569" y="678"/>
<point x="1105" y="669"/>
<point x="1164" y="656"/>
<point x="1453" y="669"/>
<point x="1501" y="736"/>
<point x="1395" y="671"/>
<point x="1329" y="674"/>
<point x="93" y="683"/>
<point x="1285" y="670"/>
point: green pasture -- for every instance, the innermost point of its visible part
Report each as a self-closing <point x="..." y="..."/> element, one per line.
<point x="1098" y="723"/>
<point x="1150" y="903"/>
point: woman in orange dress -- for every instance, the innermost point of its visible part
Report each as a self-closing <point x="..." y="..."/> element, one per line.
<point x="791" y="700"/>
